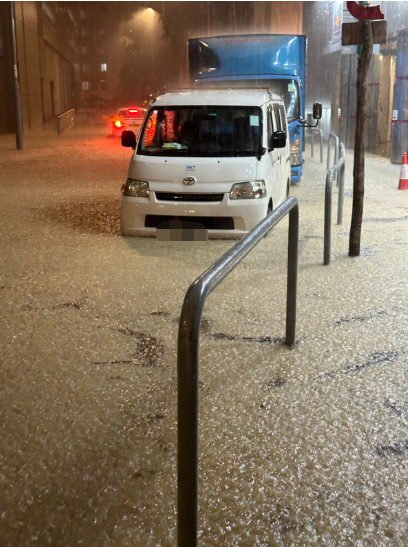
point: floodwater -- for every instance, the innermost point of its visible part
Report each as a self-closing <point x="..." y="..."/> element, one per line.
<point x="304" y="446"/>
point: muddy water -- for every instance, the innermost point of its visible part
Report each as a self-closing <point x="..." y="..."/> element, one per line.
<point x="298" y="447"/>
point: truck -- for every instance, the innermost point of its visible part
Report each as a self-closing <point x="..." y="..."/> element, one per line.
<point x="275" y="61"/>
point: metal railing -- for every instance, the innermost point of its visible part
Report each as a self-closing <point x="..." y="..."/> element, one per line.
<point x="187" y="356"/>
<point x="332" y="136"/>
<point x="338" y="167"/>
<point x="313" y="131"/>
<point x="65" y="121"/>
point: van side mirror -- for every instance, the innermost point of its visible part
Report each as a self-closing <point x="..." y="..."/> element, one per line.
<point x="278" y="140"/>
<point x="129" y="139"/>
<point x="317" y="111"/>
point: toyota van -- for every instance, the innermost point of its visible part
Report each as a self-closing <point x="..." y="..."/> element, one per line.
<point x="218" y="158"/>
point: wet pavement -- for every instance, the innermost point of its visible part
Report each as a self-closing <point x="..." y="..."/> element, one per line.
<point x="299" y="447"/>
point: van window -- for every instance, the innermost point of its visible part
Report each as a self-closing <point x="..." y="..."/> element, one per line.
<point x="278" y="123"/>
<point x="207" y="131"/>
<point x="283" y="119"/>
<point x="270" y="122"/>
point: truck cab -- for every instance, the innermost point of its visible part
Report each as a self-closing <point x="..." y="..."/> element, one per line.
<point x="220" y="158"/>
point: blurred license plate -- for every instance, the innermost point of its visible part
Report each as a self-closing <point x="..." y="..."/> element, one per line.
<point x="181" y="230"/>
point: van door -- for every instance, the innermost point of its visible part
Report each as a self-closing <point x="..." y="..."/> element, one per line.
<point x="273" y="168"/>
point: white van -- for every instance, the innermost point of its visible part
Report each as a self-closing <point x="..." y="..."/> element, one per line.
<point x="220" y="158"/>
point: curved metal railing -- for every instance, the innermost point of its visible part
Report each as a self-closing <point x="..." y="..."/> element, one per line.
<point x="65" y="121"/>
<point x="332" y="136"/>
<point x="187" y="356"/>
<point x="339" y="166"/>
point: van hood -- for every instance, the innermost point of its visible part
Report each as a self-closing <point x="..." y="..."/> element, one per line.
<point x="208" y="174"/>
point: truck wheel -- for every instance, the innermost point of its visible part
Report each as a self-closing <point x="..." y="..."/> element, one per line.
<point x="270" y="207"/>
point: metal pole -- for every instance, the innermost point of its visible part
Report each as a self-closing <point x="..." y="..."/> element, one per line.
<point x="187" y="429"/>
<point x="292" y="275"/>
<point x="311" y="144"/>
<point x="19" y="125"/>
<point x="327" y="218"/>
<point x="321" y="146"/>
<point x="341" y="193"/>
<point x="336" y="149"/>
<point x="328" y="151"/>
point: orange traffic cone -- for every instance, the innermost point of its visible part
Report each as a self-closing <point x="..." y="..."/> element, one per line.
<point x="403" y="182"/>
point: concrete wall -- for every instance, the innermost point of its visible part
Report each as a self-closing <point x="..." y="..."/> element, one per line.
<point x="7" y="112"/>
<point x="323" y="60"/>
<point x="57" y="82"/>
<point x="29" y="63"/>
<point x="278" y="17"/>
<point x="45" y="55"/>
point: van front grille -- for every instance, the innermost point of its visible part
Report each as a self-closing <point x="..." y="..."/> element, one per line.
<point x="169" y="196"/>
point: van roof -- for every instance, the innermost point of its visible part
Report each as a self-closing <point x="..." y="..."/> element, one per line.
<point x="216" y="96"/>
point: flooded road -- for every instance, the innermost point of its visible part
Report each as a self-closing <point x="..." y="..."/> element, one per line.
<point x="300" y="447"/>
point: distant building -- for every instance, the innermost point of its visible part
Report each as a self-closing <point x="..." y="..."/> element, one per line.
<point x="95" y="65"/>
<point x="63" y="60"/>
<point x="47" y="50"/>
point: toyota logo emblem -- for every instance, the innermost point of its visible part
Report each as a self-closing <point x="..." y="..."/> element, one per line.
<point x="189" y="181"/>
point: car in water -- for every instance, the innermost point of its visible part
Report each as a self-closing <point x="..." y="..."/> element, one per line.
<point x="128" y="118"/>
<point x="219" y="158"/>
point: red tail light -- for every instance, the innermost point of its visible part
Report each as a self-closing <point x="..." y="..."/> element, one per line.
<point x="133" y="111"/>
<point x="118" y="123"/>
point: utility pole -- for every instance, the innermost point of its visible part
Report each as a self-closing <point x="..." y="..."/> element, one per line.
<point x="365" y="32"/>
<point x="17" y="102"/>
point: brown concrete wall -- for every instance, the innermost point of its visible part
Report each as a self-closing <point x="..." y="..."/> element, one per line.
<point x="29" y="63"/>
<point x="7" y="112"/>
<point x="57" y="65"/>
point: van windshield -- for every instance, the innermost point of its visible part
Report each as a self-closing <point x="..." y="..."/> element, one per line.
<point x="207" y="131"/>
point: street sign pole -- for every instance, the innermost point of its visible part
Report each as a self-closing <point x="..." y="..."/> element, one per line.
<point x="365" y="32"/>
<point x="359" y="148"/>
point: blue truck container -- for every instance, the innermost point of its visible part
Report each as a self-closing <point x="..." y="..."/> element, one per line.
<point x="275" y="61"/>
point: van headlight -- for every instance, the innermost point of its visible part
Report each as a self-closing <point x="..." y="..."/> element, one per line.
<point x="295" y="152"/>
<point x="136" y="188"/>
<point x="248" y="190"/>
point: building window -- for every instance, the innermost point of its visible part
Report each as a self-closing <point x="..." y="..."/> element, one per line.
<point x="77" y="67"/>
<point x="84" y="50"/>
<point x="104" y="67"/>
<point x="103" y="85"/>
<point x="82" y="14"/>
<point x="86" y="68"/>
<point x="85" y="86"/>
<point x="83" y="32"/>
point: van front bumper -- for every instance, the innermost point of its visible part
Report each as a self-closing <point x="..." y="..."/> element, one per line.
<point x="138" y="215"/>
